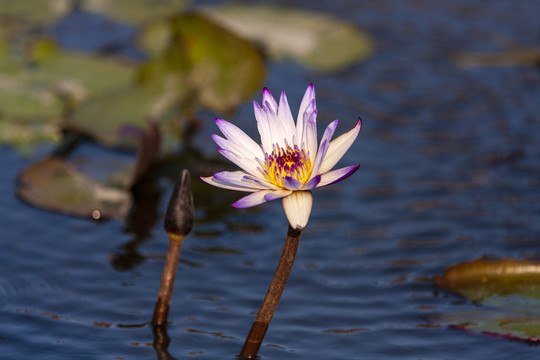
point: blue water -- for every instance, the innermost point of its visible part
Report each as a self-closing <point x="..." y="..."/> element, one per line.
<point x="449" y="173"/>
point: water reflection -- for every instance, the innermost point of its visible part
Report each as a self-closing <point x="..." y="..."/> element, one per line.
<point x="148" y="196"/>
<point x="161" y="343"/>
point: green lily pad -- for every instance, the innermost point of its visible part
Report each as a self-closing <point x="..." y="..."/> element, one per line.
<point x="213" y="68"/>
<point x="509" y="290"/>
<point x="316" y="40"/>
<point x="480" y="279"/>
<point x="109" y="118"/>
<point x="198" y="64"/>
<point x="35" y="91"/>
<point x="498" y="323"/>
<point x="54" y="184"/>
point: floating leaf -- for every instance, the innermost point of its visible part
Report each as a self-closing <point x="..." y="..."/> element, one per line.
<point x="213" y="67"/>
<point x="25" y="135"/>
<point x="480" y="279"/>
<point x="498" y="323"/>
<point x="155" y="37"/>
<point x="316" y="40"/>
<point x="198" y="65"/>
<point x="511" y="288"/>
<point x="512" y="58"/>
<point x="110" y="117"/>
<point x="55" y="185"/>
<point x="35" y="90"/>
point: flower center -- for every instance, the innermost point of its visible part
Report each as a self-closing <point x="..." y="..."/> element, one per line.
<point x="283" y="162"/>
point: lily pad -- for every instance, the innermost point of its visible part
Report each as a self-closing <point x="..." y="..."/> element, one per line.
<point x="481" y="279"/>
<point x="108" y="119"/>
<point x="498" y="323"/>
<point x="199" y="64"/>
<point x="509" y="290"/>
<point x="36" y="90"/>
<point x="213" y="67"/>
<point x="56" y="185"/>
<point x="316" y="40"/>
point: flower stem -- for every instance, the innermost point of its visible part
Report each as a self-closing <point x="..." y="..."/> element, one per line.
<point x="163" y="302"/>
<point x="177" y="223"/>
<point x="271" y="300"/>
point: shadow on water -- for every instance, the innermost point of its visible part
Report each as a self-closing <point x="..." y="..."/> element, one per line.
<point x="149" y="193"/>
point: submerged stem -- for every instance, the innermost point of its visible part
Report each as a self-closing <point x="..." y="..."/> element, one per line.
<point x="273" y="295"/>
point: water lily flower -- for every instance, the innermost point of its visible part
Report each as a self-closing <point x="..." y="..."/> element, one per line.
<point x="289" y="162"/>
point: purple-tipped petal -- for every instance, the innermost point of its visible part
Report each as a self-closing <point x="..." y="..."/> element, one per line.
<point x="268" y="98"/>
<point x="278" y="194"/>
<point x="286" y="118"/>
<point x="263" y="126"/>
<point x="239" y="179"/>
<point x="323" y="148"/>
<point x="214" y="182"/>
<point x="311" y="136"/>
<point x="312" y="183"/>
<point x="335" y="176"/>
<point x="307" y="132"/>
<point x="263" y="183"/>
<point x="248" y="164"/>
<point x="254" y="199"/>
<point x="237" y="139"/>
<point x="291" y="183"/>
<point x="278" y="132"/>
<point x="338" y="147"/>
<point x="309" y="97"/>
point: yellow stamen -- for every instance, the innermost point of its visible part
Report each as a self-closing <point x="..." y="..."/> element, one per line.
<point x="283" y="162"/>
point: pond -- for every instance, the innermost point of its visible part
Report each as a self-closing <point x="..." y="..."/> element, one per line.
<point x="449" y="173"/>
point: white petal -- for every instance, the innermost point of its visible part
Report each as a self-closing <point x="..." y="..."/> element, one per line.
<point x="323" y="148"/>
<point x="338" y="147"/>
<point x="212" y="181"/>
<point x="235" y="135"/>
<point x="285" y="116"/>
<point x="309" y="135"/>
<point x="263" y="126"/>
<point x="248" y="164"/>
<point x="268" y="98"/>
<point x="240" y="179"/>
<point x="297" y="207"/>
<point x="236" y="148"/>
<point x="309" y="97"/>
<point x="263" y="182"/>
<point x="254" y="199"/>
<point x="335" y="176"/>
<point x="278" y="132"/>
<point x="277" y="194"/>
